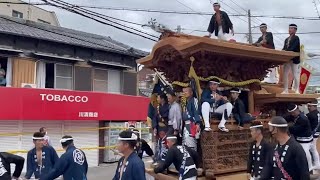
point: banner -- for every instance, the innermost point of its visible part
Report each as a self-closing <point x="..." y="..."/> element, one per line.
<point x="304" y="79"/>
<point x="160" y="87"/>
<point x="50" y="104"/>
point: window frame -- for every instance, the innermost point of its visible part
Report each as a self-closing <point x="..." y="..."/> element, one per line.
<point x="121" y="80"/>
<point x="63" y="77"/>
<point x="99" y="80"/>
<point x="18" y="13"/>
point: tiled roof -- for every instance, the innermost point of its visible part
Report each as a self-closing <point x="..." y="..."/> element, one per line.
<point x="21" y="27"/>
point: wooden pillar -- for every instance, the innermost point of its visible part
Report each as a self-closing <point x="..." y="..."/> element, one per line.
<point x="251" y="102"/>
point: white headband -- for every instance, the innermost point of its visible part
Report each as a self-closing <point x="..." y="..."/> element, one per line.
<point x="256" y="126"/>
<point x="214" y="82"/>
<point x="132" y="138"/>
<point x="37" y="138"/>
<point x="63" y="140"/>
<point x="171" y="137"/>
<point x="233" y="91"/>
<point x="293" y="109"/>
<point x="263" y="26"/>
<point x="293" y="26"/>
<point x="312" y="104"/>
<point x="278" y="125"/>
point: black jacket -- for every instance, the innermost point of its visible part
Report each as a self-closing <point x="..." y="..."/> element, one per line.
<point x="143" y="146"/>
<point x="301" y="128"/>
<point x="269" y="38"/>
<point x="5" y="160"/>
<point x="294" y="45"/>
<point x="175" y="156"/>
<point x="225" y="23"/>
<point x="258" y="157"/>
<point x="294" y="162"/>
<point x="313" y="117"/>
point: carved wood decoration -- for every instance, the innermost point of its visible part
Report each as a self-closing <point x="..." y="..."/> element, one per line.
<point x="227" y="152"/>
<point x="230" y="61"/>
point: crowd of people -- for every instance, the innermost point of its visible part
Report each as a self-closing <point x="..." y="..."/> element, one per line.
<point x="177" y="131"/>
<point x="295" y="156"/>
<point x="43" y="162"/>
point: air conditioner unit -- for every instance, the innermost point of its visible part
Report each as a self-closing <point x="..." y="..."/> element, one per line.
<point x="28" y="85"/>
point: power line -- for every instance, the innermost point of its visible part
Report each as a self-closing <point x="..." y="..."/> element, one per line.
<point x="23" y="3"/>
<point x="176" y="12"/>
<point x="102" y="16"/>
<point x="189" y="7"/>
<point x="316" y="7"/>
<point x="84" y="13"/>
<point x="95" y="19"/>
<point x="235" y="11"/>
<point x="278" y="39"/>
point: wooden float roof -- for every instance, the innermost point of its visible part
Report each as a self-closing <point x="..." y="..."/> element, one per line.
<point x="188" y="45"/>
<point x="231" y="61"/>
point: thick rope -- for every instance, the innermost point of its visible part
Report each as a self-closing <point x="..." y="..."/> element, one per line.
<point x="228" y="83"/>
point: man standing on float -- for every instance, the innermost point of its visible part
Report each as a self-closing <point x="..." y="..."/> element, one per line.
<point x="192" y="119"/>
<point x="292" y="43"/>
<point x="220" y="23"/>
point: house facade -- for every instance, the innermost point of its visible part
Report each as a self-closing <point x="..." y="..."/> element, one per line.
<point x="16" y="9"/>
<point x="69" y="81"/>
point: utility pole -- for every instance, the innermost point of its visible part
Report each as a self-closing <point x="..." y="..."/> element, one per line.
<point x="179" y="29"/>
<point x="250" y="30"/>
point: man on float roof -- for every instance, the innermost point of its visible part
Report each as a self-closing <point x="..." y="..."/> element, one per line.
<point x="220" y="23"/>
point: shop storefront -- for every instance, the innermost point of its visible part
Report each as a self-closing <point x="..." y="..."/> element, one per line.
<point x="82" y="115"/>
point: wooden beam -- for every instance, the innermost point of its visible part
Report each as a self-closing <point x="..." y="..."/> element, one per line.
<point x="251" y="102"/>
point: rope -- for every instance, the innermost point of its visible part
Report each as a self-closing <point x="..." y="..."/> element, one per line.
<point x="228" y="83"/>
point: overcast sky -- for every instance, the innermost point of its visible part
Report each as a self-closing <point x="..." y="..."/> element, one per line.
<point x="196" y="22"/>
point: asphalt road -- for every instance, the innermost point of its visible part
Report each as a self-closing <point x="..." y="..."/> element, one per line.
<point x="103" y="172"/>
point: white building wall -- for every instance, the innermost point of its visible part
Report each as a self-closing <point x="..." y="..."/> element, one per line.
<point x="31" y="13"/>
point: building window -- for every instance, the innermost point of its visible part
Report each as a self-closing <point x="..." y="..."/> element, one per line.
<point x="114" y="81"/>
<point x="17" y="14"/>
<point x="64" y="76"/>
<point x="43" y="21"/>
<point x="100" y="80"/>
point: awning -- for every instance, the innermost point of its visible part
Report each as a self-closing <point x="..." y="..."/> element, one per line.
<point x="110" y="63"/>
<point x="57" y="57"/>
<point x="9" y="51"/>
<point x="51" y="104"/>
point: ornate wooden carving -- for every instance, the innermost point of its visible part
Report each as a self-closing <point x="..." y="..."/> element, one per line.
<point x="234" y="62"/>
<point x="226" y="152"/>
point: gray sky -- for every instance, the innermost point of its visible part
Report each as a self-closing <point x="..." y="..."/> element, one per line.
<point x="196" y="22"/>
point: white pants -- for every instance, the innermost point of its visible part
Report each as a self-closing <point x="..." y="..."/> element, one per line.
<point x="206" y="109"/>
<point x="314" y="153"/>
<point x="192" y="178"/>
<point x="296" y="75"/>
<point x="307" y="147"/>
<point x="221" y="35"/>
<point x="189" y="141"/>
